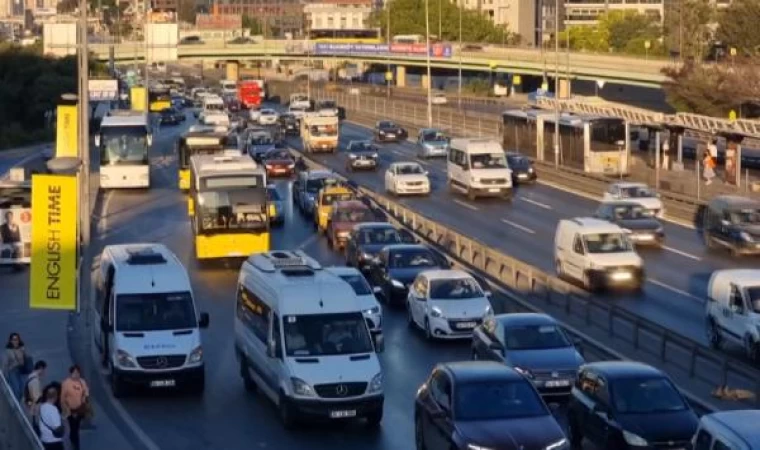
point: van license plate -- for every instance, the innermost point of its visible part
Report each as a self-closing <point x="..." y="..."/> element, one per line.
<point x="342" y="414"/>
<point x="162" y="383"/>
<point x="493" y="190"/>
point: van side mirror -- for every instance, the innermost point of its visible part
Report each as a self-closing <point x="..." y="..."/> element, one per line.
<point x="97" y="140"/>
<point x="204" y="320"/>
<point x="107" y="327"/>
<point x="378" y="291"/>
<point x="725" y="222"/>
<point x="379" y="341"/>
<point x="150" y="140"/>
<point x="273" y="350"/>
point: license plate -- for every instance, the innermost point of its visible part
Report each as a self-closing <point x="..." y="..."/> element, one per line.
<point x="162" y="383"/>
<point x="466" y="325"/>
<point x="390" y="135"/>
<point x="557" y="383"/>
<point x="493" y="190"/>
<point x="342" y="414"/>
<point x="522" y="175"/>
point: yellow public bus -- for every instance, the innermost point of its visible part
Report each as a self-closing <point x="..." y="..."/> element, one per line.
<point x="159" y="99"/>
<point x="228" y="207"/>
<point x="196" y="143"/>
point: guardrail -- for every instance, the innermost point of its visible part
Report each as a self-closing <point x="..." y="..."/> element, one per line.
<point x="16" y="432"/>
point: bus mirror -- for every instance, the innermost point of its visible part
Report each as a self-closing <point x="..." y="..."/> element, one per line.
<point x="150" y="140"/>
<point x="97" y="140"/>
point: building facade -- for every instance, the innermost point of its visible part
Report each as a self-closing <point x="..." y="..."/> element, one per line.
<point x="342" y="14"/>
<point x="518" y="16"/>
<point x="278" y="17"/>
<point x="587" y="12"/>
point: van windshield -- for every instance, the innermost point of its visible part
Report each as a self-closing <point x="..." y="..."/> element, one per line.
<point x="155" y="312"/>
<point x="326" y="334"/>
<point x="745" y="216"/>
<point x="488" y="161"/>
<point x="607" y="243"/>
<point x="753" y="296"/>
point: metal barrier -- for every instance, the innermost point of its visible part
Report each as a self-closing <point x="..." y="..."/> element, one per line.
<point x="16" y="432"/>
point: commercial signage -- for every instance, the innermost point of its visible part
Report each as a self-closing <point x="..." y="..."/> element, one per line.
<point x="53" y="283"/>
<point x="436" y="50"/>
<point x="103" y="90"/>
<point x="15" y="235"/>
<point x="219" y="22"/>
<point x="66" y="131"/>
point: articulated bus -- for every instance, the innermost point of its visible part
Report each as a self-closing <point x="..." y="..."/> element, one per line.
<point x="124" y="141"/>
<point x="589" y="143"/>
<point x="159" y="99"/>
<point x="228" y="207"/>
<point x="201" y="142"/>
<point x="371" y="36"/>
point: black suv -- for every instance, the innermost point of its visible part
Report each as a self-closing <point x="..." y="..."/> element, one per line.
<point x="733" y="223"/>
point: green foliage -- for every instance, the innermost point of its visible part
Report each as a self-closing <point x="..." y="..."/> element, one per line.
<point x="687" y="28"/>
<point x="253" y="24"/>
<point x="621" y="31"/>
<point x="30" y="86"/>
<point x="408" y="17"/>
<point x="477" y="87"/>
<point x="736" y="26"/>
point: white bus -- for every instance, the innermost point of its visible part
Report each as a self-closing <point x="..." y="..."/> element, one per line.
<point x="408" y="39"/>
<point x="124" y="141"/>
<point x="229" y="87"/>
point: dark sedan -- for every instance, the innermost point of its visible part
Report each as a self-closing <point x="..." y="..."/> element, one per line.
<point x="362" y="155"/>
<point x="279" y="163"/>
<point x="396" y="267"/>
<point x="367" y="239"/>
<point x="621" y="405"/>
<point x="387" y="131"/>
<point x="289" y="124"/>
<point x="522" y="168"/>
<point x="642" y="227"/>
<point x="483" y="405"/>
<point x="171" y="116"/>
<point x="532" y="344"/>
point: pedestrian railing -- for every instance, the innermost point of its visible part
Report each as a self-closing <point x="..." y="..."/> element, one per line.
<point x="16" y="432"/>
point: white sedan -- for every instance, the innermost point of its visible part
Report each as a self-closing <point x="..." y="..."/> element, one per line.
<point x="268" y="117"/>
<point x="407" y="178"/>
<point x="638" y="193"/>
<point x="439" y="99"/>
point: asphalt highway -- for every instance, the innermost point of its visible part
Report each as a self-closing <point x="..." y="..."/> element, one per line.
<point x="677" y="275"/>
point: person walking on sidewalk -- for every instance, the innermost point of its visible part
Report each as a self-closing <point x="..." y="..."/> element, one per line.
<point x="75" y="401"/>
<point x="33" y="389"/>
<point x="708" y="163"/>
<point x="51" y="422"/>
<point x="14" y="364"/>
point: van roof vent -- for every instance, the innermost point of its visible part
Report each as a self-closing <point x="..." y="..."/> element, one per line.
<point x="144" y="256"/>
<point x="290" y="263"/>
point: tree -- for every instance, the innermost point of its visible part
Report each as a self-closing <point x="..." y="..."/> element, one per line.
<point x="736" y="26"/>
<point x="617" y="31"/>
<point x="687" y="27"/>
<point x="186" y="11"/>
<point x="408" y="17"/>
<point x="252" y="24"/>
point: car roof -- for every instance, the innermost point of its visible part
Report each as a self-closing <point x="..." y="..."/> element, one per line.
<point x="402" y="247"/>
<point x="365" y="225"/>
<point x="622" y="202"/>
<point x="446" y="274"/>
<point x="742" y="422"/>
<point x="734" y="202"/>
<point x="523" y="319"/>
<point x="624" y="369"/>
<point x="478" y="371"/>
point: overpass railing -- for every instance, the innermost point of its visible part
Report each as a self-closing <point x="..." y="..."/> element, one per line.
<point x="16" y="431"/>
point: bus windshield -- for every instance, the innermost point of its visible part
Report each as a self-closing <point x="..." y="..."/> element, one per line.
<point x="607" y="134"/>
<point x="227" y="204"/>
<point x="124" y="145"/>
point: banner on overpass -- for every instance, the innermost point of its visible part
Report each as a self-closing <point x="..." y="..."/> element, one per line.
<point x="436" y="50"/>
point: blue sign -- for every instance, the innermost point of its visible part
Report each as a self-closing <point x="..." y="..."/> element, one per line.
<point x="347" y="49"/>
<point x="436" y="50"/>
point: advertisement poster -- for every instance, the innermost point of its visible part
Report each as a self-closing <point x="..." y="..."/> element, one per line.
<point x="53" y="283"/>
<point x="436" y="50"/>
<point x="66" y="131"/>
<point x="15" y="235"/>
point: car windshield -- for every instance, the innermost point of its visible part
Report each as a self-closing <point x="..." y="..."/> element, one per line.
<point x="518" y="162"/>
<point x="410" y="169"/>
<point x="645" y="396"/>
<point x="745" y="216"/>
<point x="607" y="243"/>
<point x="314" y="185"/>
<point x="630" y="212"/>
<point x="412" y="258"/>
<point x="354" y="215"/>
<point x="535" y="337"/>
<point x="379" y="236"/>
<point x="326" y="334"/>
<point x="155" y="312"/>
<point x="753" y="296"/>
<point x="505" y="400"/>
<point x="434" y="136"/>
<point x="637" y="192"/>
<point x="362" y="147"/>
<point x="329" y="199"/>
<point x="488" y="161"/>
<point x="323" y="130"/>
<point x="215" y="107"/>
<point x="328" y="104"/>
<point x="124" y="145"/>
<point x="386" y="125"/>
<point x="262" y="140"/>
<point x="268" y="112"/>
<point x="278" y="155"/>
<point x="358" y="282"/>
<point x="456" y="289"/>
<point x="231" y="209"/>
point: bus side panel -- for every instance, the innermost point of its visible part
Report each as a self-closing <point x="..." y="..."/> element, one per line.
<point x="231" y="245"/>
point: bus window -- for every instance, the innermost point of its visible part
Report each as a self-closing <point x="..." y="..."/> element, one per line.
<point x="607" y="134"/>
<point x="124" y="145"/>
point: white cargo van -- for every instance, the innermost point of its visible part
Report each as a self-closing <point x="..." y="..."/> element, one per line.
<point x="597" y="253"/>
<point x="733" y="310"/>
<point x="478" y="168"/>
<point x="146" y="325"/>
<point x="301" y="338"/>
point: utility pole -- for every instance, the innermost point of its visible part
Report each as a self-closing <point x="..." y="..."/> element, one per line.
<point x="440" y="20"/>
<point x="146" y="15"/>
<point x="556" y="83"/>
<point x="429" y="77"/>
<point x="83" y="147"/>
<point x="388" y="40"/>
<point x="459" y="89"/>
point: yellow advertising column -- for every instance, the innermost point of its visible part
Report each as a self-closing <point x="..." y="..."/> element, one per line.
<point x="66" y="129"/>
<point x="53" y="283"/>
<point x="233" y="70"/>
<point x="400" y="76"/>
<point x="138" y="98"/>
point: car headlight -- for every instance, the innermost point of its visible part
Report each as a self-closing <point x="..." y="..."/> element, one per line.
<point x="367" y="256"/>
<point x="745" y="236"/>
<point x="196" y="355"/>
<point x="474" y="180"/>
<point x="302" y="388"/>
<point x="559" y="445"/>
<point x="376" y="385"/>
<point x="124" y="359"/>
<point x="660" y="230"/>
<point x="343" y="234"/>
<point x="634" y="439"/>
<point x="524" y="372"/>
<point x="382" y="132"/>
<point x="374" y="156"/>
<point x="372" y="311"/>
<point x="352" y="156"/>
<point x="530" y="170"/>
<point x="436" y="312"/>
<point x="397" y="284"/>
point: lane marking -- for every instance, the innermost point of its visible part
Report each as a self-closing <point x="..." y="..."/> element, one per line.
<point x="533" y="202"/>
<point x="676" y="290"/>
<point x="518" y="226"/>
<point x="682" y="253"/>
<point x="104" y="219"/>
<point x="466" y="205"/>
<point x="423" y="162"/>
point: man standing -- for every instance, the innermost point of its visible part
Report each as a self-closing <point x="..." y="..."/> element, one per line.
<point x="9" y="230"/>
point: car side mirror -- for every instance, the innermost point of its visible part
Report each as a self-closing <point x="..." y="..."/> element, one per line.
<point x="273" y="351"/>
<point x="725" y="222"/>
<point x="488" y="293"/>
<point x="737" y="309"/>
<point x="379" y="341"/>
<point x="378" y="291"/>
<point x="97" y="140"/>
<point x="204" y="320"/>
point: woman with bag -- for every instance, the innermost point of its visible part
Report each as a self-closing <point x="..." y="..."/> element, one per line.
<point x="50" y="422"/>
<point x="75" y="401"/>
<point x="16" y="364"/>
<point x="709" y="167"/>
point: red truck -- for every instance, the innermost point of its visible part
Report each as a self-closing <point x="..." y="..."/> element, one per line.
<point x="249" y="94"/>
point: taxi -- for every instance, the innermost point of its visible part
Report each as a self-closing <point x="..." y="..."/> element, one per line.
<point x="328" y="196"/>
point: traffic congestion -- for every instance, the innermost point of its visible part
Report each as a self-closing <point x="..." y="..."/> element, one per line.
<point x="260" y="282"/>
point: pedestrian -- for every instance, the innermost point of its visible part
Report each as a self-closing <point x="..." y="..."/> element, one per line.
<point x="15" y="364"/>
<point x="708" y="163"/>
<point x="50" y="421"/>
<point x="75" y="400"/>
<point x="33" y="388"/>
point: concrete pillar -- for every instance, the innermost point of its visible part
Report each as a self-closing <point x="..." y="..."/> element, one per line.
<point x="400" y="76"/>
<point x="233" y="69"/>
<point x="425" y="81"/>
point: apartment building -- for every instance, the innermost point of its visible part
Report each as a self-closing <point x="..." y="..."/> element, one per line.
<point x="587" y="12"/>
<point x="343" y="14"/>
<point x="279" y="16"/>
<point x="518" y="16"/>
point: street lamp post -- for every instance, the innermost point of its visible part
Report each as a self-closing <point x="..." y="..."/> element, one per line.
<point x="388" y="60"/>
<point x="429" y="77"/>
<point x="556" y="83"/>
<point x="459" y="90"/>
<point x="440" y="19"/>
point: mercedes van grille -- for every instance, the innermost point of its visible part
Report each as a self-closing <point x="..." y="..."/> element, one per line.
<point x="340" y="390"/>
<point x="161" y="362"/>
<point x="494" y="181"/>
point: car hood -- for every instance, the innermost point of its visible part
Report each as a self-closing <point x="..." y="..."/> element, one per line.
<point x="639" y="224"/>
<point x="552" y="359"/>
<point x="530" y="433"/>
<point x="616" y="259"/>
<point x="471" y="308"/>
<point x="262" y="147"/>
<point x="658" y="427"/>
<point x="407" y="274"/>
<point x="412" y="178"/>
<point x="752" y="229"/>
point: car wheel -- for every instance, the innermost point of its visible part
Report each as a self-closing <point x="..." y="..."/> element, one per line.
<point x="419" y="436"/>
<point x="286" y="413"/>
<point x="118" y="389"/>
<point x="471" y="195"/>
<point x="428" y="333"/>
<point x="714" y="337"/>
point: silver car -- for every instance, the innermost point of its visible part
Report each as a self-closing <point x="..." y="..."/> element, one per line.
<point x="432" y="143"/>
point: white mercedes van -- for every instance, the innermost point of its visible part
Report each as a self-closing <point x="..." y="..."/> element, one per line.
<point x="146" y="325"/>
<point x="302" y="340"/>
<point x="478" y="168"/>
